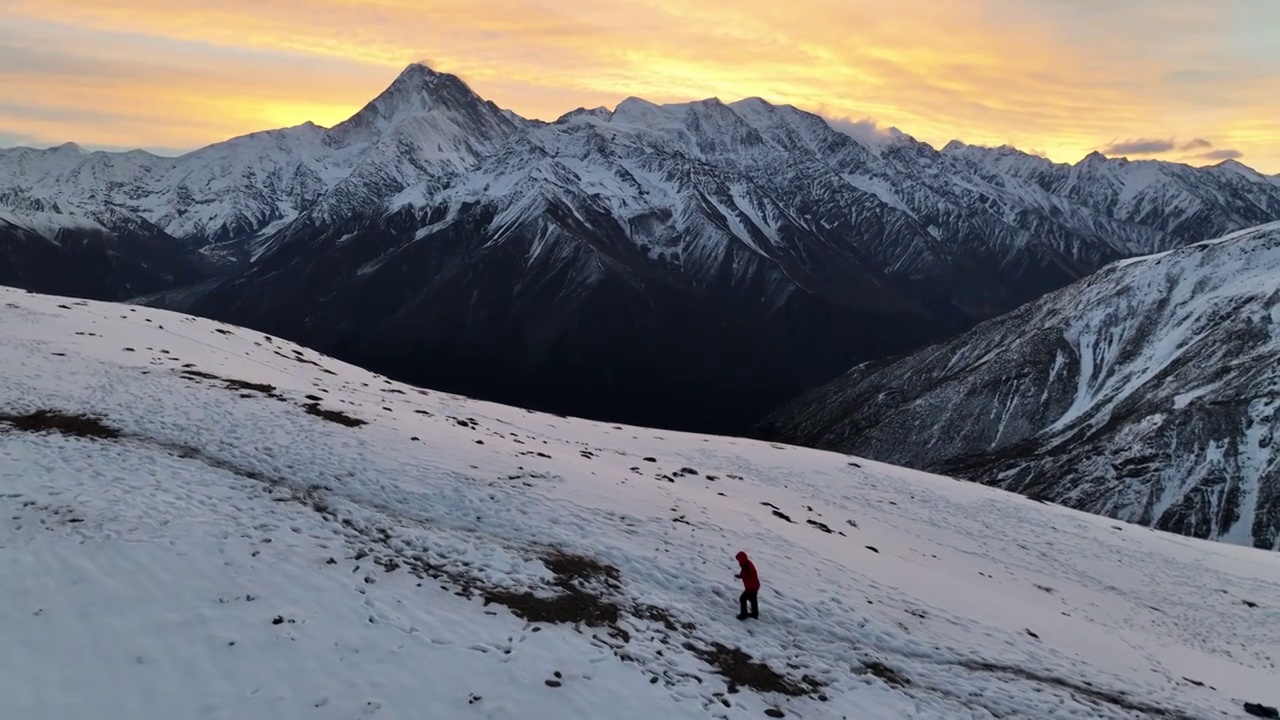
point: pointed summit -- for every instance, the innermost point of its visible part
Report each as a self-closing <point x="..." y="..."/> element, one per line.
<point x="416" y="76"/>
<point x="419" y="88"/>
<point x="1231" y="166"/>
<point x="418" y="92"/>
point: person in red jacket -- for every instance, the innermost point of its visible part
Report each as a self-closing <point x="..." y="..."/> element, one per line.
<point x="750" y="586"/>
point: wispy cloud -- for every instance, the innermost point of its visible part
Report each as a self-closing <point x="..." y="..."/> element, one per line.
<point x="1223" y="154"/>
<point x="1196" y="149"/>
<point x="11" y="139"/>
<point x="1141" y="146"/>
<point x="866" y="130"/>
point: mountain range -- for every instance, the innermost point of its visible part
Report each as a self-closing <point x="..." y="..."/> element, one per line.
<point x="1147" y="392"/>
<point x="691" y="265"/>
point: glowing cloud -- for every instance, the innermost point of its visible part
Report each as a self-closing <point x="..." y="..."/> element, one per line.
<point x="1064" y="76"/>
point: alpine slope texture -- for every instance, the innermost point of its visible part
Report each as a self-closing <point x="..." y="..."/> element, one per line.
<point x="1147" y="392"/>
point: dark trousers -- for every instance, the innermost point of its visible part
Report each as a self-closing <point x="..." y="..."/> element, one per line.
<point x="749" y="596"/>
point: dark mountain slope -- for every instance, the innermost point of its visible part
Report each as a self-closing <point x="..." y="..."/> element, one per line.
<point x="1148" y="392"/>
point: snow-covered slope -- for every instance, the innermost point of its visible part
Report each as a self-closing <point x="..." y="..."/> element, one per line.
<point x="200" y="520"/>
<point x="1147" y="392"/>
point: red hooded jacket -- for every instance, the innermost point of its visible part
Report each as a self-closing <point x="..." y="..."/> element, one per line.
<point x="750" y="581"/>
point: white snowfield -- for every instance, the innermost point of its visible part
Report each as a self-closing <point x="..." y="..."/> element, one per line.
<point x="224" y="542"/>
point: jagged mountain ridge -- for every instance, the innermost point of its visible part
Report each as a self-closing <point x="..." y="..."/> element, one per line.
<point x="739" y="252"/>
<point x="238" y="189"/>
<point x="429" y="128"/>
<point x="149" y="214"/>
<point x="1147" y="392"/>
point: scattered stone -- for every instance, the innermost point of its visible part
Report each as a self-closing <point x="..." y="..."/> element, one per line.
<point x="821" y="526"/>
<point x="334" y="416"/>
<point x="887" y="674"/>
<point x="1262" y="711"/>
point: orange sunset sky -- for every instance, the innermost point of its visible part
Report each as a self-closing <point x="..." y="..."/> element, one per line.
<point x="1188" y="80"/>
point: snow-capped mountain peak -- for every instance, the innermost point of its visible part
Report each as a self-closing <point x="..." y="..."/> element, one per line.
<point x="226" y="196"/>
<point x="417" y="93"/>
<point x="429" y="129"/>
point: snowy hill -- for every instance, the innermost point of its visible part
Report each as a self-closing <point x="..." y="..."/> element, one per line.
<point x="1147" y="392"/>
<point x="200" y="520"/>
